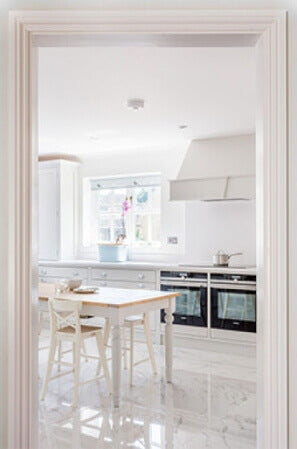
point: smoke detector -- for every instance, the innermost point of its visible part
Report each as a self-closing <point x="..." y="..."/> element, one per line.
<point x="135" y="103"/>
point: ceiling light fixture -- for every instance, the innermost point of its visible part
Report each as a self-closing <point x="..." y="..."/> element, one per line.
<point x="93" y="137"/>
<point x="135" y="103"/>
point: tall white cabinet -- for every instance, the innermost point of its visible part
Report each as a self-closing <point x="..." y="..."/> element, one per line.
<point x="58" y="209"/>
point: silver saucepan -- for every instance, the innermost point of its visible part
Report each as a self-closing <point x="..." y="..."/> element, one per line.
<point x="221" y="259"/>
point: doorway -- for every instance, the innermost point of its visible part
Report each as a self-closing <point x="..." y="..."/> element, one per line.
<point x="271" y="182"/>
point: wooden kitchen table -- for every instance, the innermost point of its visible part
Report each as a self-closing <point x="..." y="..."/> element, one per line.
<point x="116" y="304"/>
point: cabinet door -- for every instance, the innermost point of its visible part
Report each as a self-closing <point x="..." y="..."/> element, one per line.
<point x="48" y="214"/>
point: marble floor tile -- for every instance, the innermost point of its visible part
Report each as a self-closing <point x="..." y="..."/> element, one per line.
<point x="211" y="404"/>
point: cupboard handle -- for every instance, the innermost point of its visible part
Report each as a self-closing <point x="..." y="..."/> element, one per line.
<point x="141" y="276"/>
<point x="103" y="274"/>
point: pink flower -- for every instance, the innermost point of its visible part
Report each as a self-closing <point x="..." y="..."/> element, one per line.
<point x="126" y="205"/>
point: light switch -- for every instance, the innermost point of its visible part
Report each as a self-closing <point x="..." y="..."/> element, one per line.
<point x="172" y="240"/>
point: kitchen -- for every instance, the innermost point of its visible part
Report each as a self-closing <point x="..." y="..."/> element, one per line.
<point x="193" y="198"/>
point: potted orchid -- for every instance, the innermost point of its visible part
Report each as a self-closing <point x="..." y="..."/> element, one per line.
<point x="118" y="251"/>
<point x="126" y="205"/>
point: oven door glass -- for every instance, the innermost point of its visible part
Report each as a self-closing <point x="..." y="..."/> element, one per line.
<point x="190" y="306"/>
<point x="233" y="309"/>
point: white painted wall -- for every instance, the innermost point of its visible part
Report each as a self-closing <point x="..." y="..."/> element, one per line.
<point x="228" y="226"/>
<point x="291" y="6"/>
<point x="202" y="228"/>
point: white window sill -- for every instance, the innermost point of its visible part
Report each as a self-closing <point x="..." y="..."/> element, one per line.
<point x="137" y="253"/>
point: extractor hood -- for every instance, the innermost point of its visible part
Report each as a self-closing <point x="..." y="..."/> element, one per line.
<point x="219" y="169"/>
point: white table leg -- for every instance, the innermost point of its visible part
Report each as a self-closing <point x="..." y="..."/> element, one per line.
<point x="168" y="341"/>
<point x="116" y="364"/>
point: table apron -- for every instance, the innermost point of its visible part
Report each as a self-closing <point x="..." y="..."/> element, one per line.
<point x="118" y="314"/>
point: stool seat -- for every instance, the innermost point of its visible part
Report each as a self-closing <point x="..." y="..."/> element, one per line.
<point x="84" y="329"/>
<point x="134" y="319"/>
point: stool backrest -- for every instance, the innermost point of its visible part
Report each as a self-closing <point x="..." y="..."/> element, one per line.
<point x="65" y="313"/>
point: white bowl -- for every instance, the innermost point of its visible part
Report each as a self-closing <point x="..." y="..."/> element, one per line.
<point x="74" y="283"/>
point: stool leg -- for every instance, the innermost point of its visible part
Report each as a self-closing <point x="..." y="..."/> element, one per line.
<point x="125" y="348"/>
<point x="101" y="351"/>
<point x="40" y="322"/>
<point x="76" y="371"/>
<point x="50" y="362"/>
<point x="131" y="354"/>
<point x="106" y="331"/>
<point x="148" y="335"/>
<point x="59" y="355"/>
<point x="105" y="340"/>
<point x="84" y="350"/>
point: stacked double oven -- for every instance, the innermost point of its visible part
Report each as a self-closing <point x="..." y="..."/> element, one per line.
<point x="217" y="301"/>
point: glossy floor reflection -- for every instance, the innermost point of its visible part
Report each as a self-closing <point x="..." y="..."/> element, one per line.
<point x="212" y="404"/>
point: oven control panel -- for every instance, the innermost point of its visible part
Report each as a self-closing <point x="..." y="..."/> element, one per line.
<point x="182" y="275"/>
<point x="226" y="277"/>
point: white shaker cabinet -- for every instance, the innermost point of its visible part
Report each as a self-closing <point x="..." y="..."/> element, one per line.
<point x="58" y="196"/>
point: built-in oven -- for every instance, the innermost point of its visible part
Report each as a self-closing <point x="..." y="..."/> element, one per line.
<point x="233" y="302"/>
<point x="191" y="305"/>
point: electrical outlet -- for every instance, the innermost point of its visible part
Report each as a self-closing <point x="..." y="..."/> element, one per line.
<point x="172" y="240"/>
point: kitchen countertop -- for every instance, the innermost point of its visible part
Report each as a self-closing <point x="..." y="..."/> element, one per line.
<point x="137" y="265"/>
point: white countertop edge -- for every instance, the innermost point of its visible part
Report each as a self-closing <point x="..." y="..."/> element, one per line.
<point x="145" y="266"/>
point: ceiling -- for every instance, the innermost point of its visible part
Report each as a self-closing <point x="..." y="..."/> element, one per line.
<point x="83" y="93"/>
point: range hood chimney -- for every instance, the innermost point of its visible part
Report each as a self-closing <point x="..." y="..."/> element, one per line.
<point x="219" y="169"/>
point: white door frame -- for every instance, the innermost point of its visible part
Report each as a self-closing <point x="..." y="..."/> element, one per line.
<point x="271" y="199"/>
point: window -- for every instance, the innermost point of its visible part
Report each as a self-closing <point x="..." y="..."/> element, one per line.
<point x="110" y="223"/>
<point x="125" y="207"/>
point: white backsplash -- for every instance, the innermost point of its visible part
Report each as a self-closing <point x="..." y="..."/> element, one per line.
<point x="229" y="226"/>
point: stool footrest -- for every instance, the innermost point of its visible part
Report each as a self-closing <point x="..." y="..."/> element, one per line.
<point x="91" y="380"/>
<point x="140" y="361"/>
<point x="65" y="373"/>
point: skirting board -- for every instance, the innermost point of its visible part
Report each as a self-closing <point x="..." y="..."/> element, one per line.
<point x="214" y="345"/>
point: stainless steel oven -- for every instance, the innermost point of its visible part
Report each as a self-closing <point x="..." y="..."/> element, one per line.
<point x="233" y="302"/>
<point x="191" y="305"/>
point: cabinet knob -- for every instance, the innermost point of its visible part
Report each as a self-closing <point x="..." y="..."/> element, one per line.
<point x="141" y="285"/>
<point x="43" y="272"/>
<point x="141" y="276"/>
<point x="103" y="284"/>
<point x="103" y="274"/>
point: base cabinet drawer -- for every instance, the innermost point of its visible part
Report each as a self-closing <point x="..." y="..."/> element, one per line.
<point x="124" y="284"/>
<point x="64" y="272"/>
<point x="49" y="280"/>
<point x="56" y="280"/>
<point x="142" y="276"/>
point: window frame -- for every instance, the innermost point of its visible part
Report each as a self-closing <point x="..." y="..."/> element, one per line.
<point x="90" y="218"/>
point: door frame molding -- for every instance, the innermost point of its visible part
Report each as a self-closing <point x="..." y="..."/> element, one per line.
<point x="272" y="359"/>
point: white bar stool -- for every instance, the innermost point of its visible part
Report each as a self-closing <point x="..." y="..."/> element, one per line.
<point x="130" y="323"/>
<point x="66" y="326"/>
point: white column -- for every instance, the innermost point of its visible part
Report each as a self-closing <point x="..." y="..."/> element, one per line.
<point x="168" y="340"/>
<point x="116" y="364"/>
